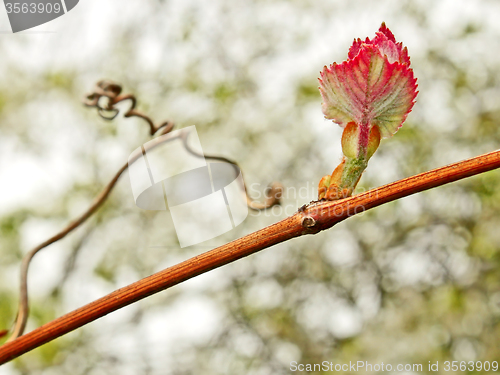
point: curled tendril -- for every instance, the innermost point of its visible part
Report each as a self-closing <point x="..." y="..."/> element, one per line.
<point x="107" y="110"/>
<point x="112" y="92"/>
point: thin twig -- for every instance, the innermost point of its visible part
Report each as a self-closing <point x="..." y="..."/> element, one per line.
<point x="274" y="192"/>
<point x="23" y="309"/>
<point x="311" y="219"/>
<point x="111" y="91"/>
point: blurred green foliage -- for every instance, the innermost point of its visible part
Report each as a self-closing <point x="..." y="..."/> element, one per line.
<point x="412" y="281"/>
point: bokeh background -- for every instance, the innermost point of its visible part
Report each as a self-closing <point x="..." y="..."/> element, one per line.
<point x="412" y="281"/>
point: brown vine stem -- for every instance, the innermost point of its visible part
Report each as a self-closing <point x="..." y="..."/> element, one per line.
<point x="111" y="91"/>
<point x="310" y="219"/>
<point x="23" y="309"/>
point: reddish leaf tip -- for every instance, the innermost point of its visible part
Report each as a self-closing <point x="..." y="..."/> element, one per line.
<point x="374" y="86"/>
<point x="388" y="33"/>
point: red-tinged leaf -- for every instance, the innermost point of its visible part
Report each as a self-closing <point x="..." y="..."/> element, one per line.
<point x="384" y="40"/>
<point x="375" y="86"/>
<point x="356" y="46"/>
<point x="369" y="95"/>
<point x="393" y="51"/>
<point x="388" y="33"/>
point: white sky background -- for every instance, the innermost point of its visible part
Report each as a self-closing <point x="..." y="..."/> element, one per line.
<point x="82" y="41"/>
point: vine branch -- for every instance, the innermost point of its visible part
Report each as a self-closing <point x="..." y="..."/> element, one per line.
<point x="309" y="219"/>
<point x="105" y="97"/>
